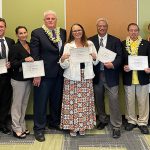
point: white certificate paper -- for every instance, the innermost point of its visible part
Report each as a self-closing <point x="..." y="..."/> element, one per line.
<point x="33" y="69"/>
<point x="106" y="55"/>
<point x="3" y="68"/>
<point x="80" y="55"/>
<point x="138" y="62"/>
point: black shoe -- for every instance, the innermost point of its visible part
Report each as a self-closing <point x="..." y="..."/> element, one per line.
<point x="27" y="132"/>
<point x="21" y="136"/>
<point x="144" y="129"/>
<point x="39" y="136"/>
<point x="130" y="126"/>
<point x="101" y="125"/>
<point x="5" y="130"/>
<point x="116" y="133"/>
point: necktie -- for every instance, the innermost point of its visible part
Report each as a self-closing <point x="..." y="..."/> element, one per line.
<point x="101" y="45"/>
<point x="54" y="34"/>
<point x="101" y="42"/>
<point x="3" y="48"/>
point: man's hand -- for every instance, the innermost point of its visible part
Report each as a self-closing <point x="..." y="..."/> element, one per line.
<point x="109" y="65"/>
<point x="37" y="81"/>
<point x="126" y="68"/>
<point x="147" y="70"/>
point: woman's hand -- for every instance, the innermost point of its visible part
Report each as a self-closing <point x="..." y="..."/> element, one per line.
<point x="93" y="56"/>
<point x="8" y="65"/>
<point x="29" y="59"/>
<point x="64" y="56"/>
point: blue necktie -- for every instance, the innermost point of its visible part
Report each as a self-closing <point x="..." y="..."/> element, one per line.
<point x="54" y="34"/>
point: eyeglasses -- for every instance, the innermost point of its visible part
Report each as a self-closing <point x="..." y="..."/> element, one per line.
<point x="75" y="31"/>
<point x="133" y="30"/>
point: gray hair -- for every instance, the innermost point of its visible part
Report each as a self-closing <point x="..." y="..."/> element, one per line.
<point x="50" y="12"/>
<point x="101" y="19"/>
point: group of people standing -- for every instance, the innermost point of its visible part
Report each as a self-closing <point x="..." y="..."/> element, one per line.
<point x="73" y="90"/>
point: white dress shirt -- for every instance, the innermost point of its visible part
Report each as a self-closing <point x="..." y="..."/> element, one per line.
<point x="6" y="46"/>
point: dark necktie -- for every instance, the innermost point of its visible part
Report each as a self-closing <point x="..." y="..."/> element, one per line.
<point x="54" y="34"/>
<point x="101" y="42"/>
<point x="101" y="45"/>
<point x="3" y="48"/>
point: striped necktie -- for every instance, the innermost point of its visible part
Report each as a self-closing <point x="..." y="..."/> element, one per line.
<point x="101" y="42"/>
<point x="3" y="48"/>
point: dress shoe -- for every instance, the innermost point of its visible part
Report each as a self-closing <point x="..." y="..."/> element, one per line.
<point x="73" y="133"/>
<point x="130" y="126"/>
<point x="27" y="132"/>
<point x="39" y="136"/>
<point x="82" y="132"/>
<point x="20" y="136"/>
<point x="144" y="129"/>
<point x="101" y="125"/>
<point x="116" y="133"/>
<point x="5" y="130"/>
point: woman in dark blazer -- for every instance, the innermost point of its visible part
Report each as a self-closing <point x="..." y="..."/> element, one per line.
<point x="21" y="87"/>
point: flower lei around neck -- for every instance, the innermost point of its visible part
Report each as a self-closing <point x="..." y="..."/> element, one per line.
<point x="49" y="33"/>
<point x="134" y="44"/>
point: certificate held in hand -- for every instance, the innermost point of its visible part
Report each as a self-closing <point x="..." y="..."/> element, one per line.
<point x="106" y="55"/>
<point x="138" y="62"/>
<point x="3" y="68"/>
<point x="33" y="69"/>
<point x="80" y="55"/>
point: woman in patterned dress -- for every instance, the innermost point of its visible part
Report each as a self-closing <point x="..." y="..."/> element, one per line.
<point x="78" y="110"/>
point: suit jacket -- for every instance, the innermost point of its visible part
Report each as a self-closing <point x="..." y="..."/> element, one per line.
<point x="10" y="42"/>
<point x="143" y="50"/>
<point x="42" y="48"/>
<point x="17" y="55"/>
<point x="111" y="75"/>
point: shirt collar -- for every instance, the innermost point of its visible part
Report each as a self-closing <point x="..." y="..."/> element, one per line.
<point x="104" y="37"/>
<point x="3" y="38"/>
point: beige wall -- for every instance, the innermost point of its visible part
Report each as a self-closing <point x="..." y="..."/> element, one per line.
<point x="119" y="14"/>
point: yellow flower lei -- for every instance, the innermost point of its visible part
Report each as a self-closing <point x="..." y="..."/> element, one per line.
<point x="135" y="45"/>
<point x="49" y="33"/>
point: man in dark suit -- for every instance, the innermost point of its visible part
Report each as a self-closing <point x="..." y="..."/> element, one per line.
<point x="136" y="82"/>
<point x="107" y="78"/>
<point x="5" y="85"/>
<point x="47" y="44"/>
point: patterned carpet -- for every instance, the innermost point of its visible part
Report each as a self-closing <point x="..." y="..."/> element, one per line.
<point x="93" y="140"/>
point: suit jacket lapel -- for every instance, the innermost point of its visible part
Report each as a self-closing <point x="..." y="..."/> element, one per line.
<point x="54" y="44"/>
<point x="140" y="48"/>
<point x="108" y="44"/>
<point x="97" y="42"/>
